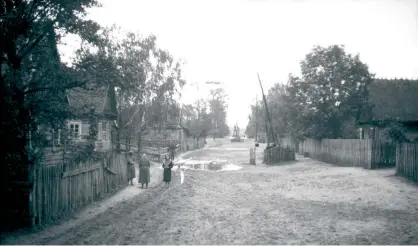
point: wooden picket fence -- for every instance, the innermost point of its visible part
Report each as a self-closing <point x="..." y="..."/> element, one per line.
<point x="61" y="187"/>
<point x="407" y="160"/>
<point x="365" y="153"/>
<point x="383" y="154"/>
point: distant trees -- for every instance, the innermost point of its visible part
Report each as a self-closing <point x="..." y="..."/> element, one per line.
<point x="207" y="117"/>
<point x="325" y="101"/>
<point x="218" y="107"/>
<point x="197" y="119"/>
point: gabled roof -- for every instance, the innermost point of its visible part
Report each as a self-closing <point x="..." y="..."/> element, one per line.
<point x="391" y="99"/>
<point x="97" y="98"/>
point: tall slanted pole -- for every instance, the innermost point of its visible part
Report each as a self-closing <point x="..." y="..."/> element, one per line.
<point x="267" y="112"/>
<point x="256" y="118"/>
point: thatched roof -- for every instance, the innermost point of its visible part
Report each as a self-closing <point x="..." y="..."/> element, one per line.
<point x="391" y="99"/>
<point x="100" y="99"/>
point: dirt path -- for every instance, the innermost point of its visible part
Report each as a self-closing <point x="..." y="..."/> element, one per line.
<point x="303" y="202"/>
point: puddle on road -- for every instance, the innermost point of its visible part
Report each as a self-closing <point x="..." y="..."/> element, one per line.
<point x="218" y="165"/>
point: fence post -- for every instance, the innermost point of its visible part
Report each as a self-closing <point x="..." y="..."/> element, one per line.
<point x="252" y="156"/>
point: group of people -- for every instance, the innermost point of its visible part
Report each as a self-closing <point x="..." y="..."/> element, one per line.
<point x="144" y="169"/>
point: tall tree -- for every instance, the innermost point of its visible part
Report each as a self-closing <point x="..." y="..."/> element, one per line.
<point x="27" y="29"/>
<point x="333" y="88"/>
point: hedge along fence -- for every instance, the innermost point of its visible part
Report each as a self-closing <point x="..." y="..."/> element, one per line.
<point x="365" y="153"/>
<point x="407" y="160"/>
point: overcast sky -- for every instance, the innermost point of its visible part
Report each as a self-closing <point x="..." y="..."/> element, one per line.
<point x="231" y="40"/>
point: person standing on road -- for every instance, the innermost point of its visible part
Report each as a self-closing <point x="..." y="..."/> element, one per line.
<point x="167" y="165"/>
<point x="144" y="173"/>
<point x="172" y="151"/>
<point x="131" y="167"/>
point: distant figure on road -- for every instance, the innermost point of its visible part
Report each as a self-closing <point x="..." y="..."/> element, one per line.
<point x="131" y="167"/>
<point x="144" y="174"/>
<point x="167" y="165"/>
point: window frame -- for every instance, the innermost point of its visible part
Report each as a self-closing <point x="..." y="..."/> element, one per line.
<point x="75" y="122"/>
<point x="104" y="131"/>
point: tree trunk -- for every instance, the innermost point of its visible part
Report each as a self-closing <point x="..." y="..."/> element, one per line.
<point x="14" y="157"/>
<point x="139" y="145"/>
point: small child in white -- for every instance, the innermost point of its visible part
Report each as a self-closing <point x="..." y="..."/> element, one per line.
<point x="180" y="169"/>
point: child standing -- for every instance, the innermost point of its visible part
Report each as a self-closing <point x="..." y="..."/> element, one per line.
<point x="180" y="169"/>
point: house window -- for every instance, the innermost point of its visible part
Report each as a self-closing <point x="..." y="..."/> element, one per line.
<point x="74" y="129"/>
<point x="104" y="130"/>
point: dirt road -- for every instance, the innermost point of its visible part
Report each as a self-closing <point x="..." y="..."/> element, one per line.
<point x="302" y="202"/>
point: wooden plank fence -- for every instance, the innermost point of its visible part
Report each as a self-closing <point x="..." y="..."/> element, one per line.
<point x="288" y="142"/>
<point x="407" y="160"/>
<point x="365" y="153"/>
<point x="62" y="188"/>
<point x="383" y="154"/>
<point x="278" y="154"/>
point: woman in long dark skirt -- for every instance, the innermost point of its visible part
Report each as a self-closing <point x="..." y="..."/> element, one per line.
<point x="167" y="165"/>
<point x="144" y="174"/>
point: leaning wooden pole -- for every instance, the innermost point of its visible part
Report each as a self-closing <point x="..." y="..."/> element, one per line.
<point x="256" y="119"/>
<point x="267" y="111"/>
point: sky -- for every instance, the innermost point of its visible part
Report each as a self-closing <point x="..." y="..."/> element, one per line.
<point x="230" y="41"/>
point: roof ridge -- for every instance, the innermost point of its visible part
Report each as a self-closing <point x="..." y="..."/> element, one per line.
<point x="397" y="79"/>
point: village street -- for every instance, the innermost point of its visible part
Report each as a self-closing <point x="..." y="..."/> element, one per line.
<point x="301" y="202"/>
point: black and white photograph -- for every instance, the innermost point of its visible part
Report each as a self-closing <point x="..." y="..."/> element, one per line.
<point x="209" y="122"/>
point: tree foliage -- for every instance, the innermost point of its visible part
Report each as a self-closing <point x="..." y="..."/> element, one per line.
<point x="32" y="79"/>
<point x="324" y="102"/>
<point x="146" y="79"/>
<point x="196" y="119"/>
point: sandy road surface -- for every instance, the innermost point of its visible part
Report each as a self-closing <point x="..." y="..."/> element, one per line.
<point x="302" y="202"/>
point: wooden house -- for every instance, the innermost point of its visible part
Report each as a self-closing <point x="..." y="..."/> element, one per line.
<point x="390" y="100"/>
<point x="103" y="102"/>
